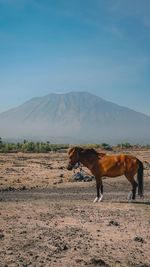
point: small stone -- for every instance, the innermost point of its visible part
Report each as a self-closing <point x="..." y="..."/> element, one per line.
<point x="2" y="235"/>
<point x="139" y="239"/>
<point x="113" y="222"/>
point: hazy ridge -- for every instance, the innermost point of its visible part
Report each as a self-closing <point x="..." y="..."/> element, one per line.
<point x="76" y="117"/>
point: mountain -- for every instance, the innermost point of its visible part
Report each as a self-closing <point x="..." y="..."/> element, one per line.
<point x="76" y="117"/>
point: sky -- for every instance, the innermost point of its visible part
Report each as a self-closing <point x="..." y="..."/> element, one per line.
<point x="98" y="46"/>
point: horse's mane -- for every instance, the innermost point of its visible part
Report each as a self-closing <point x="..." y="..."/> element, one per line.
<point x="93" y="152"/>
<point x="90" y="152"/>
<point x="86" y="151"/>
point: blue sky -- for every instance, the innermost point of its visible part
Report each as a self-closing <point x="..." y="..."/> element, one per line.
<point x="99" y="46"/>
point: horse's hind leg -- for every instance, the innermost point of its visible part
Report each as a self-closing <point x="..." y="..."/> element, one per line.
<point x="132" y="194"/>
<point x="134" y="186"/>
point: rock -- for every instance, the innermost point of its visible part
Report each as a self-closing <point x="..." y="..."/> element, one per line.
<point x="61" y="168"/>
<point x="138" y="239"/>
<point x="113" y="222"/>
<point x="64" y="247"/>
<point x="81" y="176"/>
<point x="98" y="262"/>
<point x="23" y="188"/>
<point x="2" y="235"/>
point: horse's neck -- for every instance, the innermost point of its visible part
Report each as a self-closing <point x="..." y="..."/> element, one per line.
<point x="87" y="162"/>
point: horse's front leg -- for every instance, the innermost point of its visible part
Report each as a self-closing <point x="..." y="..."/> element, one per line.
<point x="101" y="195"/>
<point x="99" y="186"/>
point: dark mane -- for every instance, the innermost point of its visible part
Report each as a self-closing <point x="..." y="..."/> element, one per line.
<point x="90" y="152"/>
<point x="86" y="151"/>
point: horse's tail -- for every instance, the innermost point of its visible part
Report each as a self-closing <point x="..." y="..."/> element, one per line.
<point x="140" y="178"/>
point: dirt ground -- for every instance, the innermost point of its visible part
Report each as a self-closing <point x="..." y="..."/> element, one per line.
<point x="47" y="219"/>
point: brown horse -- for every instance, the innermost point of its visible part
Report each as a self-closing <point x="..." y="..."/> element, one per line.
<point x="101" y="165"/>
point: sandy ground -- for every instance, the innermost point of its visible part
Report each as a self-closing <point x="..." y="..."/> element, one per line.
<point x="46" y="219"/>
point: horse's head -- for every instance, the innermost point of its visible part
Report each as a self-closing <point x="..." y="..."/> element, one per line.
<point x="74" y="157"/>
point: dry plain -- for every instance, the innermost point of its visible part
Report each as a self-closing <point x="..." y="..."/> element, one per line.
<point x="47" y="219"/>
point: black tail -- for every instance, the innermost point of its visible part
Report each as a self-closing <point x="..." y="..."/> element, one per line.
<point x="140" y="179"/>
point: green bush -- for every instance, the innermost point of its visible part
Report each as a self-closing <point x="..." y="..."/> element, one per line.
<point x="125" y="145"/>
<point x="30" y="147"/>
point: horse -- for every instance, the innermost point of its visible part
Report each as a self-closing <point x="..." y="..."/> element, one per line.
<point x="101" y="165"/>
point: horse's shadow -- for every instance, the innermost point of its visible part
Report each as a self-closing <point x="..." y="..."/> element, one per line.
<point x="135" y="202"/>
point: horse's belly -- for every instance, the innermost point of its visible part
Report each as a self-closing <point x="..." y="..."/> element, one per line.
<point x="113" y="172"/>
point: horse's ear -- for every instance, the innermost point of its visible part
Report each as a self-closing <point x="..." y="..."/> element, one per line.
<point x="100" y="154"/>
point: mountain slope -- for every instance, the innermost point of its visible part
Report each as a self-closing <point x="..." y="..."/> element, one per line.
<point x="75" y="117"/>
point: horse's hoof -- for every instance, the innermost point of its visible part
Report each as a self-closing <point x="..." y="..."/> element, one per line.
<point x="96" y="200"/>
<point x="130" y="197"/>
<point x="100" y="199"/>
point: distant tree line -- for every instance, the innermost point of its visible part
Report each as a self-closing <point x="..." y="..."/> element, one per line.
<point x="29" y="146"/>
<point x="45" y="147"/>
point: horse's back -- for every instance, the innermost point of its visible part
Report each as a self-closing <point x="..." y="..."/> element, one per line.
<point x="118" y="164"/>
